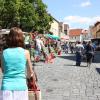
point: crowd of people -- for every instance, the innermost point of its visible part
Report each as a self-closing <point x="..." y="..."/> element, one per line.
<point x="48" y="48"/>
<point x="42" y="47"/>
<point x="87" y="50"/>
<point x="83" y="50"/>
<point x="18" y="53"/>
<point x="22" y="49"/>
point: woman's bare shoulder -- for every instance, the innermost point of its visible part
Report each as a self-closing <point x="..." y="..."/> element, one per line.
<point x="26" y="51"/>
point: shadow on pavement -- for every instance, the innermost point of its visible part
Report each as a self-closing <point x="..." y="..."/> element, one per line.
<point x="82" y="66"/>
<point x="96" y="59"/>
<point x="98" y="70"/>
<point x="74" y="65"/>
<point x="73" y="57"/>
<point x="69" y="65"/>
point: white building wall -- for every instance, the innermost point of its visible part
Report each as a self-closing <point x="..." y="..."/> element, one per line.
<point x="74" y="38"/>
<point x="55" y="28"/>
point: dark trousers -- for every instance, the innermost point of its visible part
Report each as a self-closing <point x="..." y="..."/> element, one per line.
<point x="89" y="57"/>
<point x="78" y="59"/>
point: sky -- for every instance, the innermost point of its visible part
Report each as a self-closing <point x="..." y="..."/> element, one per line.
<point x="76" y="13"/>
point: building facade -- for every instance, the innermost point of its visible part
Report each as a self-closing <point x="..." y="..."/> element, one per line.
<point x="96" y="30"/>
<point x="59" y="28"/>
<point x="55" y="27"/>
<point x="78" y="35"/>
<point x="63" y="29"/>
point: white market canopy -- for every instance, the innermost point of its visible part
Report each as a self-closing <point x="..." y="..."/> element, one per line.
<point x="4" y="31"/>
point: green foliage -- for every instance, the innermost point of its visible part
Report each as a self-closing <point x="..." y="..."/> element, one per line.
<point x="43" y="18"/>
<point x="27" y="14"/>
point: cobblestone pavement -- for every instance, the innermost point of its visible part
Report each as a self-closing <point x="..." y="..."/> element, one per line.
<point x="62" y="80"/>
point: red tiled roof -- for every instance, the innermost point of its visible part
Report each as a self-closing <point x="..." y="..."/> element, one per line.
<point x="76" y="32"/>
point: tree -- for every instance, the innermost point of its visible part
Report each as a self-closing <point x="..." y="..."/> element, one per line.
<point x="43" y="19"/>
<point x="26" y="14"/>
<point x="7" y="13"/>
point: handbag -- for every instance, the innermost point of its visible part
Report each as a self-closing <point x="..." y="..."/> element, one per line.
<point x="33" y="88"/>
<point x="32" y="84"/>
<point x="59" y="52"/>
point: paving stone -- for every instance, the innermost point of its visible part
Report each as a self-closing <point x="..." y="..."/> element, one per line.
<point x="62" y="80"/>
<point x="70" y="82"/>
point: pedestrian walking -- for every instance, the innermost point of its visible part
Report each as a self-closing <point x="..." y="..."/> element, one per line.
<point x="39" y="47"/>
<point x="84" y="51"/>
<point x="65" y="47"/>
<point x="71" y="46"/>
<point x="89" y="53"/>
<point x="14" y="59"/>
<point x="79" y="49"/>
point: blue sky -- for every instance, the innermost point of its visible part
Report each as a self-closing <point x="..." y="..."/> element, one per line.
<point x="76" y="13"/>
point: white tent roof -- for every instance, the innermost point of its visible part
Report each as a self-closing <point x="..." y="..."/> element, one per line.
<point x="4" y="31"/>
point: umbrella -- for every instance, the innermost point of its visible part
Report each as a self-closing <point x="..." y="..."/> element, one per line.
<point x="52" y="36"/>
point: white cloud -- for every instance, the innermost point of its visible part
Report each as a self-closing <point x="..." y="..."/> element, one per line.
<point x="86" y="4"/>
<point x="78" y="20"/>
